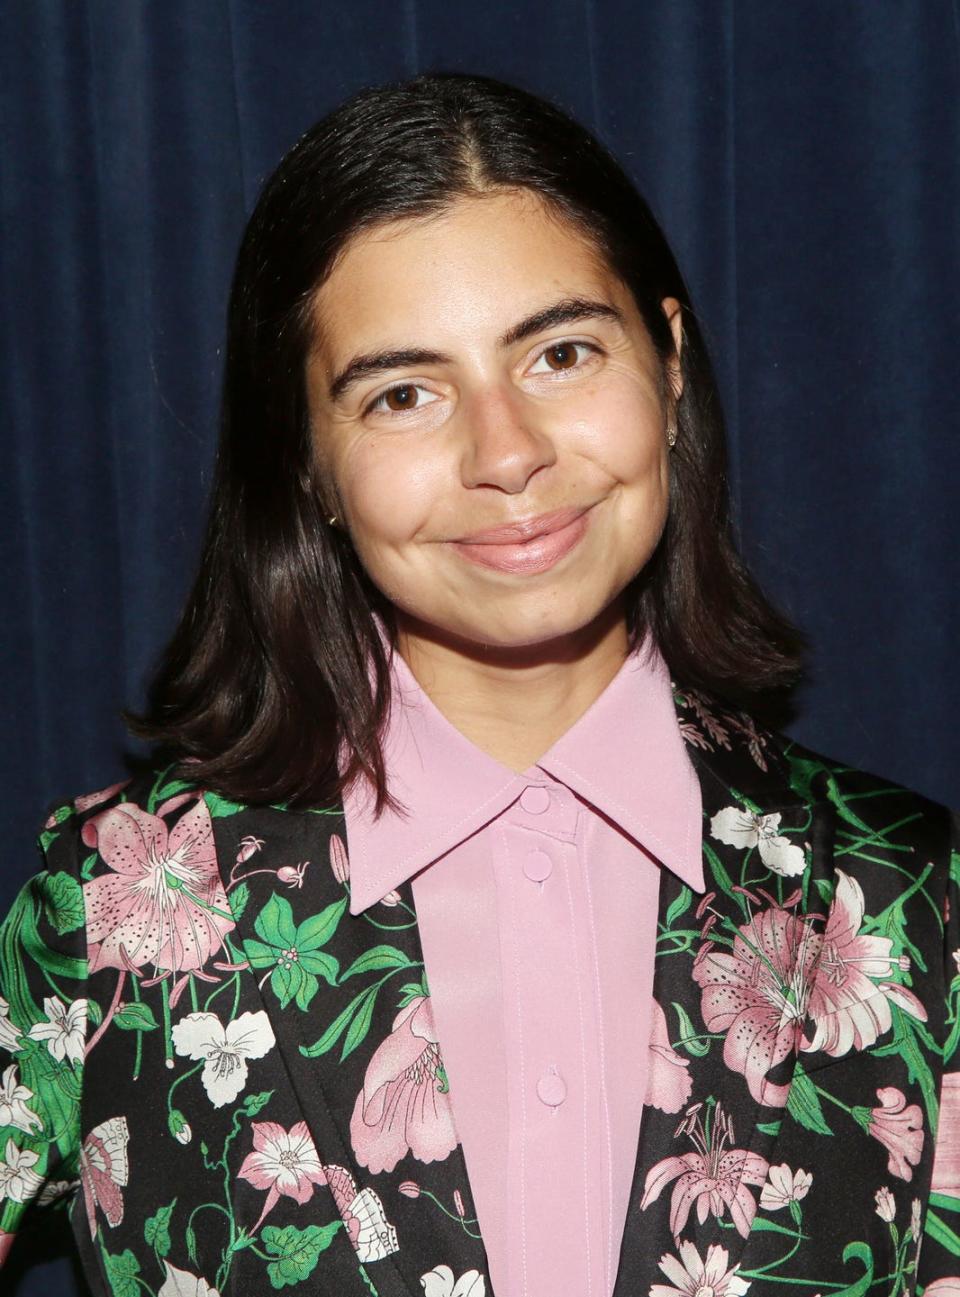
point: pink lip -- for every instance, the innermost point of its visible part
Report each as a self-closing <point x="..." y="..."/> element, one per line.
<point x="549" y="538"/>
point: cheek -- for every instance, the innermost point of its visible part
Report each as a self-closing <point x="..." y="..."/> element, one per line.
<point x="390" y="493"/>
<point x="620" y="429"/>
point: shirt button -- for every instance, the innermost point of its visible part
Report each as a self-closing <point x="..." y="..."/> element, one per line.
<point x="535" y="799"/>
<point x="551" y="1089"/>
<point x="538" y="866"/>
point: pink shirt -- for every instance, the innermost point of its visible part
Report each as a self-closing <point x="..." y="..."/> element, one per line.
<point x="536" y="897"/>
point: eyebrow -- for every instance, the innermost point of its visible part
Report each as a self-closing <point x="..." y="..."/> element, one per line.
<point x="566" y="311"/>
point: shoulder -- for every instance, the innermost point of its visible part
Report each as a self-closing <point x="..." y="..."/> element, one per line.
<point x="731" y="744"/>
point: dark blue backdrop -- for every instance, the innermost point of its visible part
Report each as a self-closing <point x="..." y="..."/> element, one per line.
<point x="803" y="158"/>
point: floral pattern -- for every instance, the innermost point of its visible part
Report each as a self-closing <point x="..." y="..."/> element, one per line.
<point x="232" y="1084"/>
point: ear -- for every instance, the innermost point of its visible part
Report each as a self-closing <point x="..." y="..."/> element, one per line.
<point x="674" y="313"/>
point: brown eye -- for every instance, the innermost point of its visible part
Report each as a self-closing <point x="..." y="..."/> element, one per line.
<point x="565" y="353"/>
<point x="401" y="398"/>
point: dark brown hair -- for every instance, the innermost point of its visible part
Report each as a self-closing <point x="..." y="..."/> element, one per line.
<point x="276" y="663"/>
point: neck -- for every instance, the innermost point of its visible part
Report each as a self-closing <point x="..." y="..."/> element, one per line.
<point x="514" y="703"/>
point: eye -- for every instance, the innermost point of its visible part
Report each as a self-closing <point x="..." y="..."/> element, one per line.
<point x="565" y="354"/>
<point x="404" y="395"/>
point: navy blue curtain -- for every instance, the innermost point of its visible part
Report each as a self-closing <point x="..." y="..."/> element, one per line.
<point x="804" y="160"/>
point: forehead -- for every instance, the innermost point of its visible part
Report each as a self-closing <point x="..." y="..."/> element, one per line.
<point x="481" y="261"/>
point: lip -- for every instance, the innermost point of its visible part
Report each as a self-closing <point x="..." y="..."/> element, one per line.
<point x="523" y="530"/>
<point x="538" y="553"/>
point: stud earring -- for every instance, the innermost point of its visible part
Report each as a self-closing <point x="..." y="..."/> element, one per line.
<point x="671" y="437"/>
<point x="333" y="520"/>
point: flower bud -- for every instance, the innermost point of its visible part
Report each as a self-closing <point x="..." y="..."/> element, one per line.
<point x="338" y="859"/>
<point x="410" y="1189"/>
<point x="249" y="846"/>
<point x="391" y="898"/>
<point x="458" y="1203"/>
<point x="179" y="1126"/>
<point x="886" y="1206"/>
<point x="292" y="875"/>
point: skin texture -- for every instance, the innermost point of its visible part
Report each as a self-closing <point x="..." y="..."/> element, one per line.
<point x="493" y="435"/>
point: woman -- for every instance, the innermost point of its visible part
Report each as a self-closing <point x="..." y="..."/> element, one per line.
<point x="470" y="932"/>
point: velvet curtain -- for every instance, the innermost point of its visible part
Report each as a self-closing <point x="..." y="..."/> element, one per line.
<point x="804" y="160"/>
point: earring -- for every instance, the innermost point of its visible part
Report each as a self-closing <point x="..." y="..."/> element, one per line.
<point x="333" y="520"/>
<point x="672" y="437"/>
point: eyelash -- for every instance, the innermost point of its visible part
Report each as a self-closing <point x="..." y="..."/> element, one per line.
<point x="376" y="403"/>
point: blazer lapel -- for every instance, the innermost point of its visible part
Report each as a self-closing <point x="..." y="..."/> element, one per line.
<point x="346" y="998"/>
<point x="732" y="976"/>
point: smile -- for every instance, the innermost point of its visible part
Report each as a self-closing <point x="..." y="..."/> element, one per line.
<point x="538" y="554"/>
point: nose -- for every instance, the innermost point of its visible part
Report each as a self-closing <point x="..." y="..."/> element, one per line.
<point x="505" y="441"/>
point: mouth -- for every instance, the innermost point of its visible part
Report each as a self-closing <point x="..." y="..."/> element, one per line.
<point x="523" y="530"/>
<point x="529" y="547"/>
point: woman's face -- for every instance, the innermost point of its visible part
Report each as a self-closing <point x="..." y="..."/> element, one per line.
<point x="479" y="369"/>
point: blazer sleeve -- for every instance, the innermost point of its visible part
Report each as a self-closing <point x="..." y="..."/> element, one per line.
<point x="43" y="1026"/>
<point x="938" y="1269"/>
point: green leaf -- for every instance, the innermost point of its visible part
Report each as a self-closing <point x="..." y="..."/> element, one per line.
<point x="906" y="1029"/>
<point x="720" y="875"/>
<point x="679" y="906"/>
<point x="771" y="1227"/>
<point x="191" y="1236"/>
<point x="122" y="1271"/>
<point x="862" y="1252"/>
<point x="319" y="928"/>
<point x="87" y="868"/>
<point x="769" y="1127"/>
<point x="253" y="1103"/>
<point x="220" y="806"/>
<point x="238" y="900"/>
<point x="318" y="961"/>
<point x="135" y="1016"/>
<point x="306" y="990"/>
<point x="945" y="1201"/>
<point x="938" y="1228"/>
<point x="285" y="982"/>
<point x="170" y="790"/>
<point x="361" y="1022"/>
<point x="156" y="1229"/>
<point x="259" y="955"/>
<point x="411" y="990"/>
<point x="275" y="923"/>
<point x="378" y="957"/>
<point x="687" y="1034"/>
<point x="825" y="888"/>
<point x="297" y="1250"/>
<point x="335" y="1030"/>
<point x="804" y="1106"/>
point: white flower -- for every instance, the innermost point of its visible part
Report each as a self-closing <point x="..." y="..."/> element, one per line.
<point x="179" y="1283"/>
<point x="10" y="1033"/>
<point x="784" y="1187"/>
<point x="13" y="1103"/>
<point x="692" y="1277"/>
<point x="886" y="1207"/>
<point x="226" y="1049"/>
<point x="54" y="1189"/>
<point x="438" y="1282"/>
<point x="17" y="1181"/>
<point x="916" y="1217"/>
<point x="742" y="828"/>
<point x="65" y="1029"/>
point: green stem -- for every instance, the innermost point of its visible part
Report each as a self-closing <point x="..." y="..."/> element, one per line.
<point x="167" y="1037"/>
<point x="138" y="1056"/>
<point x="833" y="1099"/>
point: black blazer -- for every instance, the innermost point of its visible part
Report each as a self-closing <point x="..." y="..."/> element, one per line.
<point x="198" y="1041"/>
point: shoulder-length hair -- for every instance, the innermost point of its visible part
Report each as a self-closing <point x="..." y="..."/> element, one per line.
<point x="276" y="680"/>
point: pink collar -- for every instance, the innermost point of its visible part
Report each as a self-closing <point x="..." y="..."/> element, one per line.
<point x="625" y="756"/>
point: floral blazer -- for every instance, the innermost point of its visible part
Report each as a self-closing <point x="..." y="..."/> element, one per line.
<point x="230" y="1085"/>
